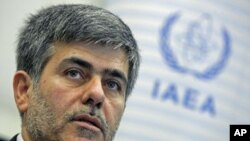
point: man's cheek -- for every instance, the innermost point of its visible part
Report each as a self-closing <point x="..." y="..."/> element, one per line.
<point x="113" y="114"/>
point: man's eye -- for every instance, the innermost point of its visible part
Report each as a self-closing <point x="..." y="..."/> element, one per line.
<point x="113" y="85"/>
<point x="74" y="74"/>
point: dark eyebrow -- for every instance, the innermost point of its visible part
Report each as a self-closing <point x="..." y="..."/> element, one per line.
<point x="77" y="61"/>
<point x="116" y="73"/>
<point x="111" y="72"/>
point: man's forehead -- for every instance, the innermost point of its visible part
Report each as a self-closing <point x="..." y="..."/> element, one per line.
<point x="92" y="53"/>
<point x="92" y="45"/>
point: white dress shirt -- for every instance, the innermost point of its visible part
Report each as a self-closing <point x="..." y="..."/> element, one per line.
<point x="19" y="137"/>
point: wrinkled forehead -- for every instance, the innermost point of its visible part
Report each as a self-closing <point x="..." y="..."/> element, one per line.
<point x="106" y="52"/>
<point x="102" y="47"/>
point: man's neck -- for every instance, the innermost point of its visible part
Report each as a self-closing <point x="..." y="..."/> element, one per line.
<point x="25" y="135"/>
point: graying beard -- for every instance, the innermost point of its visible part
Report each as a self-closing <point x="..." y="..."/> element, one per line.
<point x="33" y="124"/>
<point x="82" y="132"/>
<point x="42" y="105"/>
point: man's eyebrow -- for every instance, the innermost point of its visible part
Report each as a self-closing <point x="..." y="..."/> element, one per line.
<point x="112" y="72"/>
<point x="77" y="61"/>
<point x="116" y="73"/>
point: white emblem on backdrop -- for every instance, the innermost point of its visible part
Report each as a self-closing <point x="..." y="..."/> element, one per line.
<point x="195" y="45"/>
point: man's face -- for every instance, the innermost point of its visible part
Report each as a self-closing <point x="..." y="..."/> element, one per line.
<point x="80" y="95"/>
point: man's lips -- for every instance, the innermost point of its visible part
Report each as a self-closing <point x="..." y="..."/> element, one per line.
<point x="88" y="121"/>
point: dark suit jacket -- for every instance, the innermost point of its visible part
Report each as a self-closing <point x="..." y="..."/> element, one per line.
<point x="14" y="138"/>
<point x="3" y="139"/>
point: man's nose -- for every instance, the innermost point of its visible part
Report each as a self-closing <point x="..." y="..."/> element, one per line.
<point x="94" y="93"/>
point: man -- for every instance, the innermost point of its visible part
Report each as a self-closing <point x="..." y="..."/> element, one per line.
<point x="76" y="67"/>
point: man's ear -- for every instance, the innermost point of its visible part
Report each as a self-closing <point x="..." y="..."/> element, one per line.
<point x="22" y="85"/>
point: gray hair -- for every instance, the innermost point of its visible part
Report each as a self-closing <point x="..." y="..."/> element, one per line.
<point x="73" y="23"/>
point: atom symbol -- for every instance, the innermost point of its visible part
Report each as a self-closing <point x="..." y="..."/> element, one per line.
<point x="196" y="42"/>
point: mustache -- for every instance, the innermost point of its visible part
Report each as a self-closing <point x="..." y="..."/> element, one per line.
<point x="69" y="116"/>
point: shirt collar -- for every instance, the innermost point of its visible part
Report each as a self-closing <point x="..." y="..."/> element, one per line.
<point x="19" y="137"/>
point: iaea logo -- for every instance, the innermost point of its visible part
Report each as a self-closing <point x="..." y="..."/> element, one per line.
<point x="195" y="45"/>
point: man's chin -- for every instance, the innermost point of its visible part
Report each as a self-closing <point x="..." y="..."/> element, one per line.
<point x="88" y="133"/>
<point x="81" y="138"/>
<point x="79" y="133"/>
